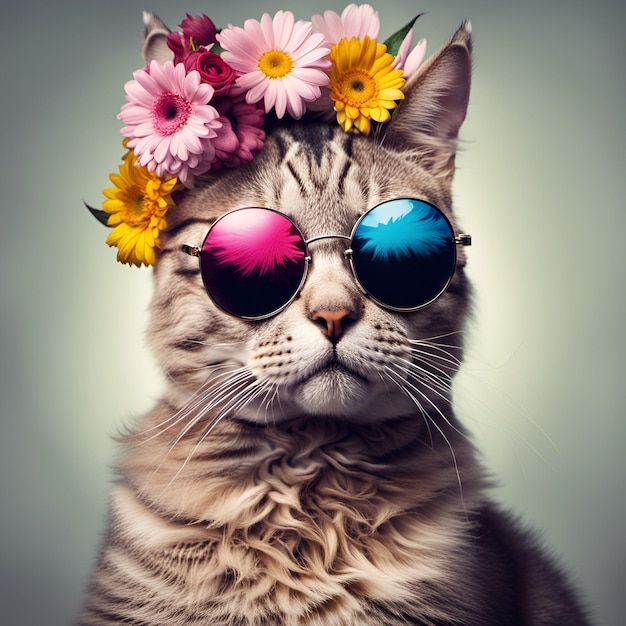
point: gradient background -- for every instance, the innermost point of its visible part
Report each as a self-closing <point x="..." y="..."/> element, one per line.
<point x="540" y="187"/>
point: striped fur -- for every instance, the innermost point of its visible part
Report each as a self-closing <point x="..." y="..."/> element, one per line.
<point x="285" y="480"/>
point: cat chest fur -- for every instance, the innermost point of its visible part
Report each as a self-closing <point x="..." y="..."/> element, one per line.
<point x="309" y="530"/>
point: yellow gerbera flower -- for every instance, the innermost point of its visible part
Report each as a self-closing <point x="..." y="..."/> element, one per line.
<point x="137" y="206"/>
<point x="363" y="84"/>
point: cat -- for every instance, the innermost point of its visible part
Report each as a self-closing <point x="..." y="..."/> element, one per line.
<point x="307" y="468"/>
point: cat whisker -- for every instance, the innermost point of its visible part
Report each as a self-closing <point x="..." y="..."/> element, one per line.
<point x="271" y="398"/>
<point x="182" y="414"/>
<point x="446" y="359"/>
<point x="444" y="340"/>
<point x="434" y="347"/>
<point x="207" y="398"/>
<point x="430" y="420"/>
<point x="431" y="339"/>
<point x="439" y="378"/>
<point x="214" y="396"/>
<point x="427" y="385"/>
<point x="246" y="395"/>
<point x="399" y="384"/>
<point x="512" y="428"/>
<point x="236" y="403"/>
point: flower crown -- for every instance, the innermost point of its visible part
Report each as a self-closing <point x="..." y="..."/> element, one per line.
<point x="206" y="108"/>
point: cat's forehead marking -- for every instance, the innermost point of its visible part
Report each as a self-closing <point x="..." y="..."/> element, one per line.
<point x="323" y="180"/>
<point x="314" y="180"/>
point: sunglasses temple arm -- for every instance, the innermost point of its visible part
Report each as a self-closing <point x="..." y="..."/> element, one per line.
<point x="463" y="240"/>
<point x="191" y="250"/>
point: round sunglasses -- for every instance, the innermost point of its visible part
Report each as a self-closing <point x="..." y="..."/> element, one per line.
<point x="254" y="261"/>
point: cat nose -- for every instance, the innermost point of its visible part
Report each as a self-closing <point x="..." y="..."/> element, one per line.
<point x="333" y="323"/>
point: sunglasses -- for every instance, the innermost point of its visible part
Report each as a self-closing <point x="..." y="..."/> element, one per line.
<point x="254" y="261"/>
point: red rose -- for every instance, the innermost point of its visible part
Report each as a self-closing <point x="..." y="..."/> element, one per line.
<point x="213" y="69"/>
<point x="199" y="28"/>
<point x="178" y="45"/>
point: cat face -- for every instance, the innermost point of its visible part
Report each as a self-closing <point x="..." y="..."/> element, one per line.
<point x="333" y="351"/>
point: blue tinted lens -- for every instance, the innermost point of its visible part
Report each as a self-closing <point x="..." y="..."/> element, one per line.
<point x="404" y="253"/>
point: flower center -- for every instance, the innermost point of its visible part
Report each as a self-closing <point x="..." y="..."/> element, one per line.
<point x="356" y="87"/>
<point x="275" y="64"/>
<point x="138" y="209"/>
<point x="170" y="113"/>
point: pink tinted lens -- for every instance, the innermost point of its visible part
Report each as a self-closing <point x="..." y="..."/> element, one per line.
<point x="253" y="262"/>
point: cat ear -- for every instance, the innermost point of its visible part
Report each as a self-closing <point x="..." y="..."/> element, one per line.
<point x="155" y="38"/>
<point x="427" y="121"/>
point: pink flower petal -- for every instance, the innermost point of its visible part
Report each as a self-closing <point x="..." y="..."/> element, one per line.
<point x="355" y="21"/>
<point x="415" y="58"/>
<point x="178" y="147"/>
<point x="295" y="104"/>
<point x="131" y="114"/>
<point x="146" y="145"/>
<point x="330" y="26"/>
<point x="269" y="97"/>
<point x="227" y="140"/>
<point x="267" y="29"/>
<point x="255" y="38"/>
<point x="144" y="130"/>
<point x="147" y="82"/>
<point x="204" y="113"/>
<point x="304" y="89"/>
<point x="252" y="82"/>
<point x="191" y="140"/>
<point x="162" y="150"/>
<point x="284" y="34"/>
<point x="360" y="21"/>
<point x="189" y="83"/>
<point x="162" y="81"/>
<point x="137" y="94"/>
<point x="313" y="42"/>
<point x="314" y="58"/>
<point x="403" y="50"/>
<point x="306" y="38"/>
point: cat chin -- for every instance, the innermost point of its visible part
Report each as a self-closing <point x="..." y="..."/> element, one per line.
<point x="333" y="391"/>
<point x="337" y="392"/>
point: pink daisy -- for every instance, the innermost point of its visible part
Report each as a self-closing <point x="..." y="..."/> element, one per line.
<point x="355" y="21"/>
<point x="170" y="126"/>
<point x="279" y="61"/>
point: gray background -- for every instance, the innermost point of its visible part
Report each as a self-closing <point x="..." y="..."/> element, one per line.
<point x="540" y="187"/>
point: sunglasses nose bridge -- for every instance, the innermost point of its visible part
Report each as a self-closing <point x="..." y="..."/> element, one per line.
<point x="320" y="237"/>
<point x="330" y="296"/>
<point x="347" y="253"/>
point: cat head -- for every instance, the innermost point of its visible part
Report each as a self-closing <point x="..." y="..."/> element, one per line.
<point x="333" y="350"/>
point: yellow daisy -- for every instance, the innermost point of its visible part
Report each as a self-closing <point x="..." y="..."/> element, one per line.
<point x="363" y="83"/>
<point x="137" y="206"/>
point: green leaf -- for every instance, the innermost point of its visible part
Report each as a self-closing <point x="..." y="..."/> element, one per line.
<point x="395" y="41"/>
<point x="101" y="216"/>
<point x="216" y="46"/>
